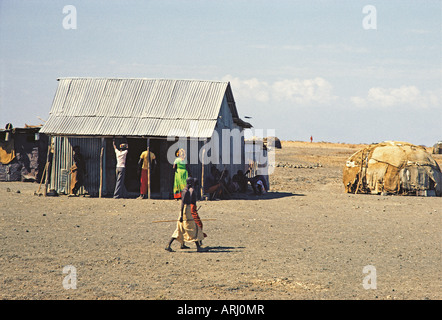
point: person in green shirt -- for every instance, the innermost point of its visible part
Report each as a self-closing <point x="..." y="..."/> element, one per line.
<point x="181" y="169"/>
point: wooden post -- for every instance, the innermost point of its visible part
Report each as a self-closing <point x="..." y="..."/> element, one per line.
<point x="48" y="167"/>
<point x="42" y="177"/>
<point x="101" y="168"/>
<point x="360" y="173"/>
<point x="148" y="168"/>
<point x="203" y="154"/>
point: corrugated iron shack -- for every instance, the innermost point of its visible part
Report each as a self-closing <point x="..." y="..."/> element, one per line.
<point x="22" y="153"/>
<point x="90" y="112"/>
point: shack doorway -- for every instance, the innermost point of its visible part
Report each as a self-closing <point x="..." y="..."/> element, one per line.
<point x="136" y="147"/>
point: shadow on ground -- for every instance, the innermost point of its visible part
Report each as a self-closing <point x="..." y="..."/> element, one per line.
<point x="267" y="196"/>
<point x="217" y="249"/>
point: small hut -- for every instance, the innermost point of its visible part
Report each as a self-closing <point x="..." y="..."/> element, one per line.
<point x="394" y="168"/>
<point x="273" y="142"/>
<point x="437" y="148"/>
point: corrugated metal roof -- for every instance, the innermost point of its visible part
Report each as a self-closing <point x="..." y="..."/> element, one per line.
<point x="136" y="107"/>
<point x="113" y="126"/>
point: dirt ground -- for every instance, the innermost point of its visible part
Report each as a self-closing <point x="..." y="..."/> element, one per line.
<point x="306" y="239"/>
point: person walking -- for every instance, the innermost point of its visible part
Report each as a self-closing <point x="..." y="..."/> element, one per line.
<point x="194" y="210"/>
<point x="187" y="230"/>
<point x="121" y="154"/>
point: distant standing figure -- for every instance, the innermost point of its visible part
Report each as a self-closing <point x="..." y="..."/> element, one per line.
<point x="78" y="171"/>
<point x="142" y="164"/>
<point x="311" y="139"/>
<point x="187" y="230"/>
<point x="181" y="174"/>
<point x="120" y="189"/>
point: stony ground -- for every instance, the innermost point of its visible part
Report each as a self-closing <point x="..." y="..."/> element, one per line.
<point x="306" y="239"/>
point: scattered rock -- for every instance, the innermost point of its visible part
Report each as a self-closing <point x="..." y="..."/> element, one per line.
<point x="299" y="166"/>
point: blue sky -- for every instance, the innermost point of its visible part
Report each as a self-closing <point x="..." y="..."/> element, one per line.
<point x="299" y="67"/>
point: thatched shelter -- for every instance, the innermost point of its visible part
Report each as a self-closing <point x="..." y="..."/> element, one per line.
<point x="273" y="142"/>
<point x="437" y="148"/>
<point x="394" y="168"/>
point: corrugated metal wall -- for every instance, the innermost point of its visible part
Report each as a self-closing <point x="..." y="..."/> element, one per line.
<point x="90" y="148"/>
<point x="63" y="160"/>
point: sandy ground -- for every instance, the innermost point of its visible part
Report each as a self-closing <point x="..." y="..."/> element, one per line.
<point x="306" y="239"/>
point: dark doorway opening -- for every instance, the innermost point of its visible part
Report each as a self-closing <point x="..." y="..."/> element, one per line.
<point x="136" y="147"/>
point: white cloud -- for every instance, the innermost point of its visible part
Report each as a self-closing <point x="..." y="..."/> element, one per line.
<point x="303" y="91"/>
<point x="300" y="91"/>
<point x="395" y="96"/>
<point x="358" y="101"/>
<point x="398" y="97"/>
<point x="251" y="89"/>
<point x="318" y="91"/>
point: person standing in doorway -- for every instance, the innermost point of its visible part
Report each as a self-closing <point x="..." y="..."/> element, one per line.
<point x="120" y="189"/>
<point x="142" y="167"/>
<point x="181" y="170"/>
<point x="78" y="171"/>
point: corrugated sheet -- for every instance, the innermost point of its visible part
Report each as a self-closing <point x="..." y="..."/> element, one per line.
<point x="63" y="155"/>
<point x="103" y="126"/>
<point x="136" y="107"/>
